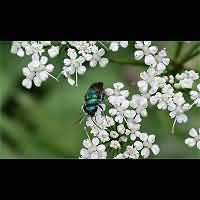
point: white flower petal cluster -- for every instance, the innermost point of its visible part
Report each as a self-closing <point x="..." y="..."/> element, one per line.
<point x="115" y="45"/>
<point x="194" y="139"/>
<point x="162" y="90"/>
<point x="117" y="126"/>
<point x="37" y="71"/>
<point x="186" y="79"/>
<point x="80" y="55"/>
<point x="93" y="149"/>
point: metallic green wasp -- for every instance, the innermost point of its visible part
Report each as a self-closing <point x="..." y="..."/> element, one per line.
<point x="93" y="98"/>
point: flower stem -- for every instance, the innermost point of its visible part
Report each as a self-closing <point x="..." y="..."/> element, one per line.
<point x="190" y="54"/>
<point x="178" y="50"/>
<point x="127" y="62"/>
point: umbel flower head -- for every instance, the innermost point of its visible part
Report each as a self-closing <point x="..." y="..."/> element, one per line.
<point x="80" y="55"/>
<point x="117" y="128"/>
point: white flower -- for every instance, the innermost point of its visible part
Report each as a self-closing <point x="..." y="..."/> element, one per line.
<point x="147" y="51"/>
<point x="186" y="79"/>
<point x="150" y="82"/>
<point x="17" y="48"/>
<point x="53" y="51"/>
<point x="115" y="45"/>
<point x="178" y="107"/>
<point x="195" y="96"/>
<point x="139" y="103"/>
<point x="194" y="138"/>
<point x="93" y="150"/>
<point x="103" y="136"/>
<point x="115" y="144"/>
<point x="120" y="110"/>
<point x="119" y="156"/>
<point x="116" y="94"/>
<point x="114" y="134"/>
<point x="37" y="71"/>
<point x="97" y="58"/>
<point x="162" y="61"/>
<point x="147" y="144"/>
<point x="131" y="152"/>
<point x="98" y="124"/>
<point x="74" y="65"/>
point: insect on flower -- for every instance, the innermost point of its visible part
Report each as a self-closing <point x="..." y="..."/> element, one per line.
<point x="93" y="98"/>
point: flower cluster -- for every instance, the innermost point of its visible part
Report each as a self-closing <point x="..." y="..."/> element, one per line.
<point x="79" y="55"/>
<point x="165" y="91"/>
<point x="117" y="128"/>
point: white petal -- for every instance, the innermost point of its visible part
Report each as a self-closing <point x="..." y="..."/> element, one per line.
<point x="95" y="155"/>
<point x="112" y="111"/>
<point x="81" y="70"/>
<point x="43" y="75"/>
<point x="151" y="139"/>
<point x="71" y="81"/>
<point x="193" y="133"/>
<point x="37" y="81"/>
<point x="103" y="62"/>
<point x="147" y="43"/>
<point x="119" y="119"/>
<point x="153" y="49"/>
<point x="133" y="137"/>
<point x="139" y="45"/>
<point x="155" y="149"/>
<point x="27" y="83"/>
<point x="87" y="143"/>
<point x="67" y="61"/>
<point x="145" y="152"/>
<point x="143" y="136"/>
<point x="118" y="85"/>
<point x="190" y="142"/>
<point x="101" y="148"/>
<point x="95" y="141"/>
<point x="109" y="91"/>
<point x="49" y="67"/>
<point x="138" y="145"/>
<point x="139" y="54"/>
<point x="84" y="153"/>
<point x="20" y="52"/>
<point x="26" y="71"/>
<point x="150" y="60"/>
<point x="166" y="61"/>
<point x="43" y="60"/>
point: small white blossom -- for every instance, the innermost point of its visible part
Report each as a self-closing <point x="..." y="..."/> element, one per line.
<point x="131" y="153"/>
<point x="37" y="71"/>
<point x="115" y="144"/>
<point x="194" y="138"/>
<point x="115" y="45"/>
<point x="147" y="51"/>
<point x="93" y="150"/>
<point x="53" y="51"/>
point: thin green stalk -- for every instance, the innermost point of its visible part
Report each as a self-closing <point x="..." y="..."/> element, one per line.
<point x="127" y="62"/>
<point x="178" y="50"/>
<point x="187" y="56"/>
<point x="192" y="56"/>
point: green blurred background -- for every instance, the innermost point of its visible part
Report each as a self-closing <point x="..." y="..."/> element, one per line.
<point x="40" y="123"/>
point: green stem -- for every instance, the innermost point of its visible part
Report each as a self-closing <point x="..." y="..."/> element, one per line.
<point x="127" y="62"/>
<point x="188" y="56"/>
<point x="192" y="56"/>
<point x="178" y="50"/>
